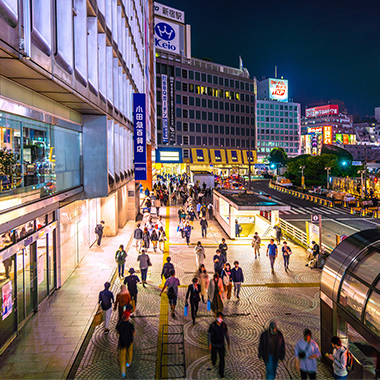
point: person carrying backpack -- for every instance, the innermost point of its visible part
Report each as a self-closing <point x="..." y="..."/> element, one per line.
<point x="342" y="359"/>
<point x="120" y="258"/>
<point x="99" y="232"/>
<point x="172" y="284"/>
<point x="167" y="267"/>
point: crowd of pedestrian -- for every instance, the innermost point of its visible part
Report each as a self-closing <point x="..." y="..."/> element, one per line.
<point x="213" y="288"/>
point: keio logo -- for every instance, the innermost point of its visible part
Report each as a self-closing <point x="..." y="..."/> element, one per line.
<point x="165" y="31"/>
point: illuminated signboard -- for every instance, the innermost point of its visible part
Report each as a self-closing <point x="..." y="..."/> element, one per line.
<point x="167" y="36"/>
<point x="315" y="130"/>
<point x="278" y="89"/>
<point x="329" y="110"/>
<point x="345" y="139"/>
<point x="327" y="134"/>
<point x="352" y="139"/>
<point x="339" y="138"/>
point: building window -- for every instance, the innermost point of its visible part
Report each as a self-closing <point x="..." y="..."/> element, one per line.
<point x="185" y="127"/>
<point x="227" y="142"/>
<point x="221" y="141"/>
<point x="179" y="126"/>
<point x="184" y="87"/>
<point x="178" y="86"/>
<point x="192" y="140"/>
<point x="184" y="73"/>
<point x="185" y="140"/>
<point x="210" y="129"/>
<point x="210" y="141"/>
<point x="199" y="140"/>
<point x="197" y="76"/>
<point x="204" y="140"/>
<point x="204" y="128"/>
<point x="221" y="117"/>
<point x="186" y="153"/>
<point x="185" y="114"/>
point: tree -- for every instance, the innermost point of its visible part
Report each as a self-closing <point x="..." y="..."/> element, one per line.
<point x="7" y="162"/>
<point x="278" y="157"/>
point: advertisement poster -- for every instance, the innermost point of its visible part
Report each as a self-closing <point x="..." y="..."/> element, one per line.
<point x="278" y="89"/>
<point x="164" y="95"/>
<point x="327" y="135"/>
<point x="328" y="110"/>
<point x="167" y="36"/>
<point x="313" y="230"/>
<point x="6" y="299"/>
<point x="139" y="113"/>
<point x="40" y="269"/>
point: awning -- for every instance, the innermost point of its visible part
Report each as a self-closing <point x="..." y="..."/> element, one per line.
<point x="199" y="156"/>
<point x="253" y="156"/>
<point x="234" y="157"/>
<point x="218" y="156"/>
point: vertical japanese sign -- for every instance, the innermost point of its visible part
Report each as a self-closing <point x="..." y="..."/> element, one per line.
<point x="327" y="134"/>
<point x="165" y="134"/>
<point x="139" y="134"/>
<point x="172" y="112"/>
<point x="6" y="299"/>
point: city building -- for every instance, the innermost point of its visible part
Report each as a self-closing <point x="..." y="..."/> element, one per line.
<point x="205" y="111"/>
<point x="326" y="125"/>
<point x="277" y="119"/>
<point x="69" y="70"/>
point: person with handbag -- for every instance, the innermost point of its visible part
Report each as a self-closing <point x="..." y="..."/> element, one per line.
<point x="199" y="254"/>
<point x="131" y="281"/>
<point x="145" y="263"/>
<point x="215" y="294"/>
<point x="227" y="280"/>
<point x="122" y="300"/>
<point x="161" y="239"/>
<point x="203" y="281"/>
<point x="193" y="291"/>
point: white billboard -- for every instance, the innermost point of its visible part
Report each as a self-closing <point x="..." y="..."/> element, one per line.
<point x="278" y="89"/>
<point x="168" y="12"/>
<point x="166" y="36"/>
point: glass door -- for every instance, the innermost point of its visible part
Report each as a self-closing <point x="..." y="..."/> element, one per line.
<point x="51" y="262"/>
<point x="42" y="269"/>
<point x="30" y="279"/>
<point x="20" y="287"/>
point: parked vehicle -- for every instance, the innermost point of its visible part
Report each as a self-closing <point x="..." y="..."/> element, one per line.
<point x="283" y="181"/>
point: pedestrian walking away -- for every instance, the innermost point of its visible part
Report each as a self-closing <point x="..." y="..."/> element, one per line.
<point x="157" y="204"/>
<point x="126" y="332"/>
<point x="238" y="229"/>
<point x="99" y="232"/>
<point x="203" y="281"/>
<point x="306" y="353"/>
<point x="131" y="282"/>
<point x="145" y="263"/>
<point x="154" y="239"/>
<point x="237" y="278"/>
<point x="123" y="299"/>
<point x="215" y="294"/>
<point x="166" y="268"/>
<point x="278" y="232"/>
<point x="216" y="337"/>
<point x="187" y="231"/>
<point x="210" y="209"/>
<point x="193" y="291"/>
<point x="198" y="208"/>
<point x="286" y="252"/>
<point x="272" y="252"/>
<point x="161" y="239"/>
<point x="271" y="349"/>
<point x="146" y="239"/>
<point x="199" y="254"/>
<point x="138" y="235"/>
<point x="227" y="280"/>
<point x="219" y="261"/>
<point x="339" y="359"/>
<point x="204" y="226"/>
<point x="256" y="243"/>
<point x="106" y="299"/>
<point x="120" y="258"/>
<point x="223" y="248"/>
<point x="172" y="284"/>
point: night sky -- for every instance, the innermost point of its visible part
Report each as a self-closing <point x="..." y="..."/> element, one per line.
<point x="326" y="49"/>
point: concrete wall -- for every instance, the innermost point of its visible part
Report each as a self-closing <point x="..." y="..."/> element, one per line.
<point x="109" y="213"/>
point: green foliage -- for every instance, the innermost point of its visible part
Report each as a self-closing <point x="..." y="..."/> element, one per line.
<point x="278" y="156"/>
<point x="7" y="162"/>
<point x="337" y="151"/>
<point x="315" y="173"/>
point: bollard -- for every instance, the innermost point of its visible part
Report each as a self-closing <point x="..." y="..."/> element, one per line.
<point x="352" y="211"/>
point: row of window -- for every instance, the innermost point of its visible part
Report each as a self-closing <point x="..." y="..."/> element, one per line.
<point x="282" y="131"/>
<point x="277" y="113"/>
<point x="271" y="143"/>
<point x="162" y="68"/>
<point x="277" y="120"/>
<point x="282" y="138"/>
<point x="282" y="126"/>
<point x="268" y="150"/>
<point x="276" y="106"/>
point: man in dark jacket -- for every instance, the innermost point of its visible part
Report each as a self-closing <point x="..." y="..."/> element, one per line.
<point x="219" y="261"/>
<point x="126" y="332"/>
<point x="237" y="278"/>
<point x="167" y="267"/>
<point x="99" y="232"/>
<point x="120" y="258"/>
<point x="223" y="248"/>
<point x="138" y="236"/>
<point x="106" y="300"/>
<point x="131" y="282"/>
<point x="194" y="291"/>
<point x="271" y="349"/>
<point x="204" y="226"/>
<point x="217" y="332"/>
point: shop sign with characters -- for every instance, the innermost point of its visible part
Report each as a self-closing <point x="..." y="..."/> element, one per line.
<point x="278" y="89"/>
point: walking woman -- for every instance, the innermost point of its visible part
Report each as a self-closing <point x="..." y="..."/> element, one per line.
<point x="187" y="231"/>
<point x="154" y="239"/>
<point x="215" y="293"/>
<point x="122" y="300"/>
<point x="146" y="239"/>
<point x="161" y="239"/>
<point x="203" y="281"/>
<point x="286" y="252"/>
<point x="227" y="280"/>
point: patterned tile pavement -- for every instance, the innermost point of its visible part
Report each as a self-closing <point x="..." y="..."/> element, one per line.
<point x="290" y="298"/>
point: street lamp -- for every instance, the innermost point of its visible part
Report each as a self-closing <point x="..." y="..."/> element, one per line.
<point x="328" y="168"/>
<point x="362" y="173"/>
<point x="302" y="178"/>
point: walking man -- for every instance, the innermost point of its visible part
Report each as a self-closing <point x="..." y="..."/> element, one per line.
<point x="166" y="268"/>
<point x="210" y="208"/>
<point x="99" y="231"/>
<point x="256" y="243"/>
<point x="286" y="252"/>
<point x="120" y="258"/>
<point x="217" y="334"/>
<point x="219" y="261"/>
<point x="138" y="236"/>
<point x="131" y="282"/>
<point x="272" y="252"/>
<point x="223" y="248"/>
<point x="144" y="265"/>
<point x="106" y="300"/>
<point x="306" y="353"/>
<point x="126" y="332"/>
<point x="172" y="284"/>
<point x="238" y="229"/>
<point x="194" y="291"/>
<point x="339" y="358"/>
<point x="204" y="226"/>
<point x="271" y="349"/>
<point x="237" y="278"/>
<point x="278" y="231"/>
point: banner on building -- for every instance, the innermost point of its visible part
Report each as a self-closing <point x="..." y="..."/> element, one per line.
<point x="167" y="36"/>
<point x="164" y="101"/>
<point x="168" y="12"/>
<point x="172" y="112"/>
<point x="139" y="122"/>
<point x="327" y="135"/>
<point x="6" y="298"/>
<point x="278" y="89"/>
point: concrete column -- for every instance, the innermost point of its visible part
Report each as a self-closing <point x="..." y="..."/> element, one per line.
<point x="122" y="200"/>
<point x="109" y="213"/>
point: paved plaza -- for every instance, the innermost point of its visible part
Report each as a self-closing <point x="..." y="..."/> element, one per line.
<point x="52" y="341"/>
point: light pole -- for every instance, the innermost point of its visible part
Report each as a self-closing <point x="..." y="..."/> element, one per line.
<point x="302" y="178"/>
<point x="362" y="172"/>
<point x="328" y="175"/>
